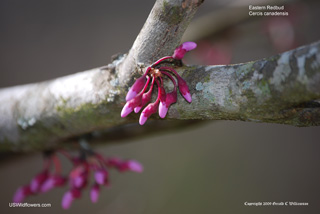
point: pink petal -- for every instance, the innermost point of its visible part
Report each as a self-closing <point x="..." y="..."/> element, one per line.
<point x="184" y="89"/>
<point x="19" y="195"/>
<point x="188" y="46"/>
<point x="142" y="119"/>
<point x="136" y="88"/>
<point x="94" y="193"/>
<point x="126" y="110"/>
<point x="48" y="185"/>
<point x="131" y="94"/>
<point x="38" y="180"/>
<point x="130" y="105"/>
<point x="163" y="109"/>
<point x="180" y="51"/>
<point x="67" y="200"/>
<point x="79" y="182"/>
<point x="137" y="109"/>
<point x="187" y="96"/>
<point x="135" y="166"/>
<point x="101" y="177"/>
<point x="148" y="111"/>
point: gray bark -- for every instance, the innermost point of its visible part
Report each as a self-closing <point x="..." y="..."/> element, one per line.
<point x="280" y="89"/>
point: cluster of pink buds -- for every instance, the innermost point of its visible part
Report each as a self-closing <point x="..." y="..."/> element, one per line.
<point x="140" y="93"/>
<point x="78" y="178"/>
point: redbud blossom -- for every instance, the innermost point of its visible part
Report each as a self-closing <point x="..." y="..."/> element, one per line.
<point x="184" y="89"/>
<point x="136" y="88"/>
<point x="146" y="97"/>
<point x="131" y="165"/>
<point x="37" y="181"/>
<point x="164" y="106"/>
<point x="152" y="107"/>
<point x="136" y="98"/>
<point x="130" y="105"/>
<point x="78" y="177"/>
<point x="147" y="112"/>
<point x="52" y="182"/>
<point x="68" y="198"/>
<point x="101" y="176"/>
<point x="22" y="193"/>
<point x="182" y="49"/>
<point x="170" y="98"/>
<point x="80" y="181"/>
<point x="94" y="193"/>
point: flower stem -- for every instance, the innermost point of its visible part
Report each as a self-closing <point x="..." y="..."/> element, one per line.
<point x="159" y="92"/>
<point x="57" y="164"/>
<point x="172" y="79"/>
<point x="161" y="60"/>
<point x="170" y="69"/>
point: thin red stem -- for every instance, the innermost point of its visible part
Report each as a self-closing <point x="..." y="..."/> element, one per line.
<point x="152" y="83"/>
<point x="159" y="92"/>
<point x="57" y="164"/>
<point x="161" y="60"/>
<point x="100" y="159"/>
<point x="151" y="87"/>
<point x="145" y="86"/>
<point x="147" y="71"/>
<point x="172" y="79"/>
<point x="170" y="69"/>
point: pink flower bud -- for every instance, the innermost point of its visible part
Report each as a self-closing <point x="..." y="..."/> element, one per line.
<point x="130" y="105"/>
<point x="94" y="193"/>
<point x="164" y="106"/>
<point x="146" y="97"/>
<point x="136" y="88"/>
<point x="67" y="200"/>
<point x="38" y="180"/>
<point x="148" y="111"/>
<point x="134" y="166"/>
<point x="101" y="176"/>
<point x="79" y="176"/>
<point x="80" y="181"/>
<point x="22" y="193"/>
<point x="184" y="89"/>
<point x="137" y="109"/>
<point x="48" y="185"/>
<point x="180" y="51"/>
<point x="52" y="182"/>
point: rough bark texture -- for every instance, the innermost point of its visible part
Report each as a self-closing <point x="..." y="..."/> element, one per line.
<point x="280" y="89"/>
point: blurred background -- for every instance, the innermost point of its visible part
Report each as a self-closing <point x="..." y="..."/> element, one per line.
<point x="213" y="168"/>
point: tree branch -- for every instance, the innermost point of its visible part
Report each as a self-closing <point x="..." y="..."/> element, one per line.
<point x="276" y="90"/>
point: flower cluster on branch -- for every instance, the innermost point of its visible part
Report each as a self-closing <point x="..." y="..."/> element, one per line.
<point x="88" y="161"/>
<point x="140" y="93"/>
